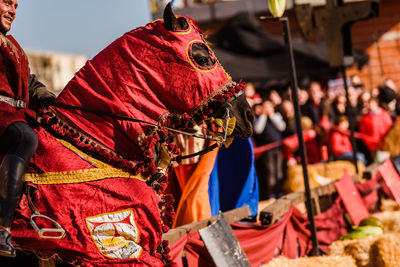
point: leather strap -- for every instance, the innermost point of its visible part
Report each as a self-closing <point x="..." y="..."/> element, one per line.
<point x="13" y="102"/>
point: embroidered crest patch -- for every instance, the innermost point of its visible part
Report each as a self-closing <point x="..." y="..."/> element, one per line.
<point x="115" y="234"/>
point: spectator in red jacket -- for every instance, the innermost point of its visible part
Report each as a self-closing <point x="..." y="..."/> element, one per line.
<point x="374" y="126"/>
<point x="341" y="144"/>
<point x="252" y="97"/>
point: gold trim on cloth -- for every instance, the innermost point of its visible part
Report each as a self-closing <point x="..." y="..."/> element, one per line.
<point x="101" y="171"/>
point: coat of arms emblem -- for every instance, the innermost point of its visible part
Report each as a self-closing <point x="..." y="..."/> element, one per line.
<point x="115" y="234"/>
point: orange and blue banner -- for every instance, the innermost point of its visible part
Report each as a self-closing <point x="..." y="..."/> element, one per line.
<point x="222" y="180"/>
<point x="233" y="181"/>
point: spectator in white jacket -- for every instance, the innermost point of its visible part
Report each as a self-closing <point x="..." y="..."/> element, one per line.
<point x="268" y="129"/>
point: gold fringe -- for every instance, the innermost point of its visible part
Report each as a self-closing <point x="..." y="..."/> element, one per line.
<point x="102" y="171"/>
<point x="93" y="161"/>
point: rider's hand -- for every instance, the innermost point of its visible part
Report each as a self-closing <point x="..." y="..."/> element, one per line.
<point x="47" y="101"/>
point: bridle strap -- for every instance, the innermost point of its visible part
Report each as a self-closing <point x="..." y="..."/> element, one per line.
<point x="219" y="139"/>
<point x="126" y="118"/>
<point x="202" y="152"/>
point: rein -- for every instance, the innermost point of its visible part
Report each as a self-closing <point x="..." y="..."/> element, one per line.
<point x="219" y="139"/>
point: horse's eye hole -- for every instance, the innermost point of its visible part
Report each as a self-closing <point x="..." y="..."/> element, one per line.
<point x="202" y="56"/>
<point x="203" y="60"/>
<point x="183" y="24"/>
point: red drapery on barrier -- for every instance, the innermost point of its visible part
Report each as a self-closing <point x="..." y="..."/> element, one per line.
<point x="193" y="249"/>
<point x="290" y="144"/>
<point x="289" y="237"/>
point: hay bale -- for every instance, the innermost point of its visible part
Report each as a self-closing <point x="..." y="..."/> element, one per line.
<point x="390" y="221"/>
<point x="389" y="205"/>
<point x="321" y="261"/>
<point x="373" y="251"/>
<point x="294" y="181"/>
<point x="337" y="247"/>
<point x="334" y="170"/>
<point x="385" y="251"/>
<point x="358" y="249"/>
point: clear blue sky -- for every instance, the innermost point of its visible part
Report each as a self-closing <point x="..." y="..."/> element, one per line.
<point x="76" y="26"/>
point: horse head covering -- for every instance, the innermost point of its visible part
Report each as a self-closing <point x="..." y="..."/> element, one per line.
<point x="149" y="74"/>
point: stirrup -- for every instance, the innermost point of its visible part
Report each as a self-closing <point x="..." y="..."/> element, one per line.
<point x="42" y="232"/>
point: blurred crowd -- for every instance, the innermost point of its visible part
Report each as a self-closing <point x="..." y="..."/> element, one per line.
<point x="374" y="114"/>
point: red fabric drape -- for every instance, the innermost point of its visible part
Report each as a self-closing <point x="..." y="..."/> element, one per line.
<point x="193" y="249"/>
<point x="74" y="205"/>
<point x="176" y="250"/>
<point x="289" y="237"/>
<point x="145" y="74"/>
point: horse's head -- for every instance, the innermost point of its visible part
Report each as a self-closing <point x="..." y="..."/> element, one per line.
<point x="164" y="73"/>
<point x="202" y="58"/>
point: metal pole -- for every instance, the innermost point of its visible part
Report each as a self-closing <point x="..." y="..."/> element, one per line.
<point x="350" y="118"/>
<point x="310" y="211"/>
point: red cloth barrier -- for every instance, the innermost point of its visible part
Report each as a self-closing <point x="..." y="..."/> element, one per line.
<point x="176" y="250"/>
<point x="290" y="144"/>
<point x="289" y="237"/>
<point x="195" y="252"/>
<point x="259" y="150"/>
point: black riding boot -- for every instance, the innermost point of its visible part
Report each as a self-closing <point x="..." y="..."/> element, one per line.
<point x="11" y="171"/>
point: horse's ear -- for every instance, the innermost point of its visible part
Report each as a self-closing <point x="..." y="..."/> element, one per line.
<point x="172" y="23"/>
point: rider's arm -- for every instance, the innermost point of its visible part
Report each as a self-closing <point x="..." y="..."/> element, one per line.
<point x="39" y="96"/>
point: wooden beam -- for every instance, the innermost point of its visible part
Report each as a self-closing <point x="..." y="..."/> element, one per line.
<point x="274" y="211"/>
<point x="278" y="208"/>
<point x="229" y="216"/>
<point x="323" y="190"/>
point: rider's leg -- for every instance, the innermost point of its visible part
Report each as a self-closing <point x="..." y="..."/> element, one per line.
<point x="19" y="143"/>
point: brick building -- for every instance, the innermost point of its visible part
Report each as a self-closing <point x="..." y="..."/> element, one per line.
<point x="386" y="29"/>
<point x="211" y="15"/>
